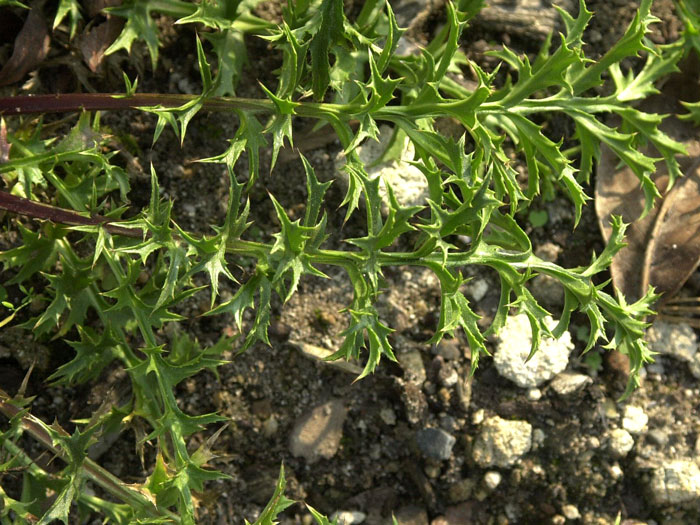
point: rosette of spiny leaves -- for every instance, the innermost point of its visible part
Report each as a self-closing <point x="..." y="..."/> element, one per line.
<point x="326" y="55"/>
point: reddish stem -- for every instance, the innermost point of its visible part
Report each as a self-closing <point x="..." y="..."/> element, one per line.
<point x="37" y="210"/>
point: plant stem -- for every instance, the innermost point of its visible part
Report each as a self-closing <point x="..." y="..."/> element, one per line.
<point x="94" y="472"/>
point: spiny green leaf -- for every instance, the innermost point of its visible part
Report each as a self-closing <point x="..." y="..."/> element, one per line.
<point x="622" y="146"/>
<point x="329" y="32"/>
<point x="139" y="25"/>
<point x="632" y="42"/>
<point x="278" y="502"/>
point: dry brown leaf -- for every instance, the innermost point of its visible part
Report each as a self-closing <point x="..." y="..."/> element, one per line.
<point x="31" y="47"/>
<point x="95" y="7"/>
<point x="95" y="42"/>
<point x="664" y="247"/>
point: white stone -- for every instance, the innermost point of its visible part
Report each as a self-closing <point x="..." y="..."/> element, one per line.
<point x="492" y="479"/>
<point x="478" y="417"/>
<point x="534" y="394"/>
<point x="349" y="517"/>
<point x="501" y="442"/>
<point x="676" y="339"/>
<point x="634" y="420"/>
<point x="616" y="471"/>
<point x="513" y="349"/>
<point x="570" y="512"/>
<point x="408" y="183"/>
<point x="621" y="442"/>
<point x="675" y="482"/>
<point x="478" y="289"/>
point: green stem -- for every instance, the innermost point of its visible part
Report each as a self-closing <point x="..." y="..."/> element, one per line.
<point x="93" y="471"/>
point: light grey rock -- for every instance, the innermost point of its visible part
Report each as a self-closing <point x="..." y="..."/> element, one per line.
<point x="413" y="367"/>
<point x="675" y="482"/>
<point x="620" y="443"/>
<point x="501" y="442"/>
<point x="548" y="291"/>
<point x="513" y="349"/>
<point x="435" y="443"/>
<point x="464" y="389"/>
<point x="658" y="437"/>
<point x="317" y="433"/>
<point x="349" y="517"/>
<point x="538" y="437"/>
<point x="569" y="382"/>
<point x="449" y="349"/>
<point x="634" y="420"/>
<point x="478" y="288"/>
<point x="694" y="366"/>
<point x="388" y="416"/>
<point x="676" y="339"/>
<point x="408" y="183"/>
<point x="533" y="19"/>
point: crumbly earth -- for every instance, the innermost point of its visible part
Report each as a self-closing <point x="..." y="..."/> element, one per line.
<point x="569" y="475"/>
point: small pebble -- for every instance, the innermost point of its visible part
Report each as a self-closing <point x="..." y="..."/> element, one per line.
<point x="388" y="416"/>
<point x="492" y="479"/>
<point x="570" y="512"/>
<point x="621" y="442"/>
<point x="349" y="517"/>
<point x="616" y="471"/>
<point x="534" y="394"/>
<point x="435" y="443"/>
<point x="634" y="420"/>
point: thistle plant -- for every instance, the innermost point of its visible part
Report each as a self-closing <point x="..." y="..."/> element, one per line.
<point x="83" y="261"/>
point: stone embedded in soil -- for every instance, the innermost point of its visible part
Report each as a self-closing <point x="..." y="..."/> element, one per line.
<point x="411" y="515"/>
<point x="634" y="420"/>
<point x="513" y="349"/>
<point x="676" y="339"/>
<point x="414" y="402"/>
<point x="548" y="291"/>
<point x="409" y="184"/>
<point x="317" y="433"/>
<point x="502" y="442"/>
<point x="413" y="367"/>
<point x="675" y="482"/>
<point x="569" y="382"/>
<point x="464" y="389"/>
<point x="449" y="349"/>
<point x="461" y="490"/>
<point x="458" y="514"/>
<point x="570" y="512"/>
<point x="349" y="517"/>
<point x="492" y="479"/>
<point x="621" y="442"/>
<point x="435" y="443"/>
